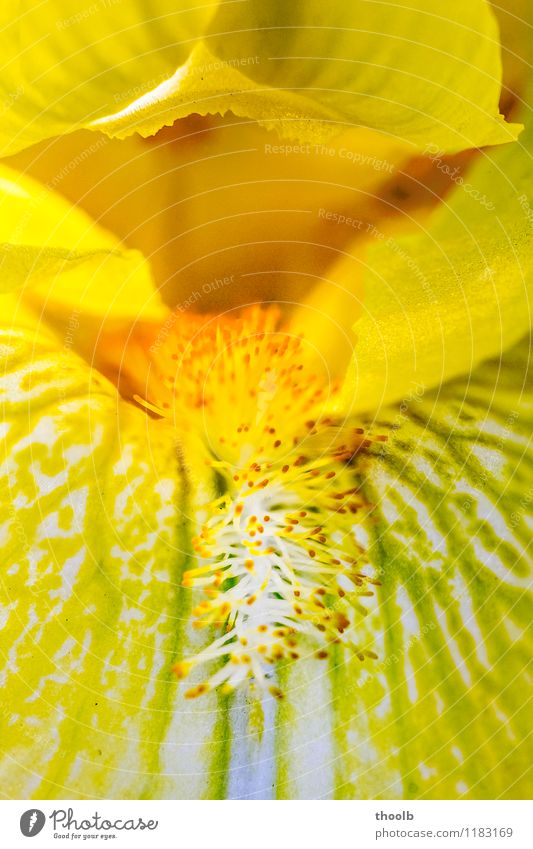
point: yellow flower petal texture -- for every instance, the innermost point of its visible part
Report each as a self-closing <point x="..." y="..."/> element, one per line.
<point x="439" y="301"/>
<point x="68" y="63"/>
<point x="359" y="63"/>
<point x="198" y="505"/>
<point x="443" y="713"/>
<point x="89" y="577"/>
<point x="214" y="199"/>
<point x="95" y="541"/>
<point x="55" y="254"/>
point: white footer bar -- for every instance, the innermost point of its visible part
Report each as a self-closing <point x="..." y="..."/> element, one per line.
<point x="261" y="824"/>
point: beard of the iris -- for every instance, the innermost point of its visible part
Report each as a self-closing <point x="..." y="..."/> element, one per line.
<point x="276" y="570"/>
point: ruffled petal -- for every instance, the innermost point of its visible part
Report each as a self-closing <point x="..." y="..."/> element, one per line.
<point x="308" y="70"/>
<point x="69" y="62"/>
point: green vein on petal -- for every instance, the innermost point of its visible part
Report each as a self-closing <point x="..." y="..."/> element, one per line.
<point x="94" y="544"/>
<point x="443" y="712"/>
<point x="92" y="560"/>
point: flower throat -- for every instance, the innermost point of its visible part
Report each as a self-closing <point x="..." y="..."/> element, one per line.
<point x="278" y="571"/>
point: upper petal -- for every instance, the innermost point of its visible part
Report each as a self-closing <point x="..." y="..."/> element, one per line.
<point x="67" y="62"/>
<point x="307" y="69"/>
<point x="441" y="300"/>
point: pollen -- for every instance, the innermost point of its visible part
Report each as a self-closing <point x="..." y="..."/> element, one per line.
<point x="277" y="571"/>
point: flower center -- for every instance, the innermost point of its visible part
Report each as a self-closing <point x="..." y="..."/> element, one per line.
<point x="278" y="567"/>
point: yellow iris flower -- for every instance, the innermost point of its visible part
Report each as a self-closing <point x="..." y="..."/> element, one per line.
<point x="266" y="474"/>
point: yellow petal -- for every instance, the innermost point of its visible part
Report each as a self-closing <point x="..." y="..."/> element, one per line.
<point x="441" y="300"/>
<point x="441" y="713"/>
<point x="514" y="20"/>
<point x="95" y="544"/>
<point x="407" y="69"/>
<point x="308" y="72"/>
<point x="226" y="213"/>
<point x="93" y="540"/>
<point x="69" y="62"/>
<point x="63" y="261"/>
